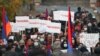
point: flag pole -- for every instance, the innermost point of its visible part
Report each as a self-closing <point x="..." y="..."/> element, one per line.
<point x="46" y="14"/>
<point x="70" y="50"/>
<point x="52" y="39"/>
<point x="65" y="28"/>
<point x="6" y="27"/>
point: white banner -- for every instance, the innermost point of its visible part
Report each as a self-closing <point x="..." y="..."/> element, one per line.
<point x="63" y="15"/>
<point x="53" y="27"/>
<point x="89" y="39"/>
<point x="22" y="19"/>
<point x="14" y="28"/>
<point x="44" y="22"/>
<point x="42" y="25"/>
<point x="21" y="26"/>
<point x="37" y="23"/>
<point x="34" y="23"/>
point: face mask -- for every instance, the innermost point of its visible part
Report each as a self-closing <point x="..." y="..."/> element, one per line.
<point x="36" y="43"/>
<point x="85" y="28"/>
<point x="41" y="39"/>
<point x="38" y="37"/>
<point x="65" y="45"/>
<point x="89" y="24"/>
<point x="62" y="40"/>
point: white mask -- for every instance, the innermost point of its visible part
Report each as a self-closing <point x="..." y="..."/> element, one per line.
<point x="41" y="39"/>
<point x="89" y="24"/>
<point x="65" y="45"/>
<point x="62" y="40"/>
<point x="38" y="37"/>
<point x="85" y="28"/>
<point x="36" y="43"/>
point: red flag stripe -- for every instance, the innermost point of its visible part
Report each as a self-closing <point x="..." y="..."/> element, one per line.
<point x="69" y="28"/>
<point x="3" y="20"/>
<point x="5" y="23"/>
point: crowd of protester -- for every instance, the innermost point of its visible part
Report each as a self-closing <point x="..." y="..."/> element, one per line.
<point x="23" y="45"/>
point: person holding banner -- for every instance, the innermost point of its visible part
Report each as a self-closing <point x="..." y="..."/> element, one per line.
<point x="80" y="46"/>
<point x="48" y="45"/>
<point x="97" y="48"/>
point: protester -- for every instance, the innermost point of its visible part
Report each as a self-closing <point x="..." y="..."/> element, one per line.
<point x="78" y="14"/>
<point x="11" y="51"/>
<point x="34" y="43"/>
<point x="97" y="48"/>
<point x="57" y="47"/>
<point x="64" y="44"/>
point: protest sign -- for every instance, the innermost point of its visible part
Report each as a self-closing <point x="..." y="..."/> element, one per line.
<point x="21" y="26"/>
<point x="63" y="15"/>
<point x="22" y="19"/>
<point x="53" y="27"/>
<point x="43" y="25"/>
<point x="22" y="22"/>
<point x="14" y="28"/>
<point x="34" y="23"/>
<point x="89" y="39"/>
<point x="37" y="23"/>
